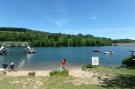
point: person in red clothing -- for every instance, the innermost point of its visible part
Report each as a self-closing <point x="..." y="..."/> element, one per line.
<point x="63" y="63"/>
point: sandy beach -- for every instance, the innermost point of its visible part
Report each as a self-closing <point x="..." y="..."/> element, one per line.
<point x="75" y="71"/>
<point x="80" y="76"/>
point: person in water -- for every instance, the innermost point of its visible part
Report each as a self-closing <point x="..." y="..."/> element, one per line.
<point x="63" y="63"/>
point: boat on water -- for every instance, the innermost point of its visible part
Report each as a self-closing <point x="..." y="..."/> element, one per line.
<point x="2" y="52"/>
<point x="108" y="52"/>
<point x="31" y="51"/>
<point x="97" y="51"/>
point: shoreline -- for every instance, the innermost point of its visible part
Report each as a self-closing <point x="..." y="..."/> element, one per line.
<point x="69" y="67"/>
<point x="74" y="71"/>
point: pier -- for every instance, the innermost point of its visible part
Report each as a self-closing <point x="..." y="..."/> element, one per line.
<point x="7" y="44"/>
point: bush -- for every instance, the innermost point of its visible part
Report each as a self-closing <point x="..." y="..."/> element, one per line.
<point x="4" y="72"/>
<point x="31" y="74"/>
<point x="128" y="62"/>
<point x="59" y="73"/>
<point x="89" y="66"/>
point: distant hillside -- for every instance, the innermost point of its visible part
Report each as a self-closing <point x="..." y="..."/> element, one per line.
<point x="10" y="29"/>
<point x="123" y="41"/>
<point x="42" y="39"/>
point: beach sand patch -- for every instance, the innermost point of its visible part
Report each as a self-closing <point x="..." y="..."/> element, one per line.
<point x="85" y="77"/>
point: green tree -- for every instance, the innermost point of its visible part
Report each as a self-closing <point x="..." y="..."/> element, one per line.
<point x="70" y="42"/>
<point x="60" y="41"/>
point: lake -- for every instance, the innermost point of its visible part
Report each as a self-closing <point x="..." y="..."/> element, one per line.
<point x="49" y="57"/>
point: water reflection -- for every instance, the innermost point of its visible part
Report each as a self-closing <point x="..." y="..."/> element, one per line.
<point x="1" y="60"/>
<point x="25" y="61"/>
<point x="16" y="55"/>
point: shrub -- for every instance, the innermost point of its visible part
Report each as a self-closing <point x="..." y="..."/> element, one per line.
<point x="128" y="62"/>
<point x="59" y="73"/>
<point x="89" y="66"/>
<point x="4" y="72"/>
<point x="31" y="74"/>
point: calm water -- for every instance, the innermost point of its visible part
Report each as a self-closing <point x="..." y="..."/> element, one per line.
<point x="48" y="57"/>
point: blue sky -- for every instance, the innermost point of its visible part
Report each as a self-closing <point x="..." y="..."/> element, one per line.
<point x="105" y="18"/>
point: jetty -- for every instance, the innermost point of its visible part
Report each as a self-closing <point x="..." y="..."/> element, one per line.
<point x="8" y="44"/>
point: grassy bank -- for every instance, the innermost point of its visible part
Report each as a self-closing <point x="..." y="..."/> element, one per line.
<point x="115" y="78"/>
<point x="42" y="83"/>
<point x="112" y="78"/>
<point x="111" y="71"/>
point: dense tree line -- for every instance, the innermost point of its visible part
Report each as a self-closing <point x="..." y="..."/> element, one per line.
<point x="123" y="41"/>
<point x="42" y="39"/>
<point x="13" y="29"/>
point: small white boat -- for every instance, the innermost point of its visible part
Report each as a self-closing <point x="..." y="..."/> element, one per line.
<point x="108" y="52"/>
<point x="31" y="51"/>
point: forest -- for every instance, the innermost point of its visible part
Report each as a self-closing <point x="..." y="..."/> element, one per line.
<point x="124" y="41"/>
<point x="46" y="39"/>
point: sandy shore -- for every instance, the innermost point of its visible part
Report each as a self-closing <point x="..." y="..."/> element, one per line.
<point x="25" y="73"/>
<point x="87" y="77"/>
<point x="76" y="72"/>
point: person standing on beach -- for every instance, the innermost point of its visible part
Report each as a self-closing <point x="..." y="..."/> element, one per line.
<point x="12" y="66"/>
<point x="63" y="63"/>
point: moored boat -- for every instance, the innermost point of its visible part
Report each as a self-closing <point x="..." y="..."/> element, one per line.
<point x="2" y="52"/>
<point x="31" y="51"/>
<point x="108" y="52"/>
<point x="97" y="51"/>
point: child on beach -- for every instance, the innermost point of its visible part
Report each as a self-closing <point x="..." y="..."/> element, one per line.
<point x="62" y="65"/>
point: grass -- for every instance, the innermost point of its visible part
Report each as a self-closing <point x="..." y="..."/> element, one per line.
<point x="111" y="71"/>
<point x="129" y="62"/>
<point x="31" y="74"/>
<point x="88" y="66"/>
<point x="42" y="83"/>
<point x="59" y="73"/>
<point x="118" y="78"/>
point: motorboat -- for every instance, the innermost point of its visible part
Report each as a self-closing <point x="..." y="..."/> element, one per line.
<point x="97" y="51"/>
<point x="2" y="52"/>
<point x="108" y="52"/>
<point x="31" y="51"/>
